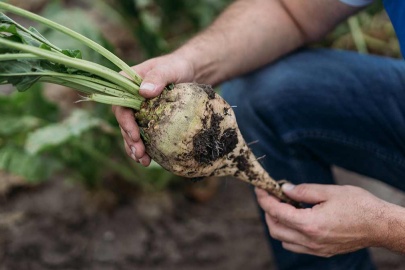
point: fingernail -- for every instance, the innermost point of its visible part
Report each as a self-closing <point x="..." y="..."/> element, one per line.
<point x="133" y="157"/>
<point x="133" y="149"/>
<point x="147" y="86"/>
<point x="287" y="187"/>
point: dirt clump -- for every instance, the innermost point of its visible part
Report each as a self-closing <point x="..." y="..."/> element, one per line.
<point x="210" y="145"/>
<point x="208" y="89"/>
<point x="243" y="165"/>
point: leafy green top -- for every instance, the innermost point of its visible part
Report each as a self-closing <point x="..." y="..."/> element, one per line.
<point x="27" y="57"/>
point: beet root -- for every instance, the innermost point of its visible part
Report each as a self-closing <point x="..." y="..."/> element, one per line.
<point x="192" y="132"/>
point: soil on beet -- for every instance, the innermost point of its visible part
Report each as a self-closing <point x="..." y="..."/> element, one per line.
<point x="210" y="145"/>
<point x="208" y="89"/>
<point x="244" y="165"/>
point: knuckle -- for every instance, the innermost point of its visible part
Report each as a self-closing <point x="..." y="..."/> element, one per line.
<point x="117" y="110"/>
<point x="123" y="126"/>
<point x="185" y="64"/>
<point x="273" y="233"/>
<point x="133" y="134"/>
<point x="310" y="230"/>
<point x="289" y="215"/>
<point x="356" y="190"/>
<point x="156" y="74"/>
<point x="273" y="213"/>
<point x="314" y="246"/>
<point x="126" y="125"/>
<point x="260" y="200"/>
<point x="326" y="255"/>
<point x="140" y="153"/>
<point x="302" y="190"/>
<point x="286" y="246"/>
<point x="346" y="188"/>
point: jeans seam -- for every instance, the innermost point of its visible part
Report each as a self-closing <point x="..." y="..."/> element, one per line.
<point x="297" y="165"/>
<point x="294" y="137"/>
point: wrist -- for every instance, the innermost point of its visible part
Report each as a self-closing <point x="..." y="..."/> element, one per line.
<point x="181" y="66"/>
<point x="203" y="64"/>
<point x="391" y="233"/>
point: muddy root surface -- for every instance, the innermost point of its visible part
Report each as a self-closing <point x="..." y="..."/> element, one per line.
<point x="210" y="145"/>
<point x="208" y="89"/>
<point x="245" y="165"/>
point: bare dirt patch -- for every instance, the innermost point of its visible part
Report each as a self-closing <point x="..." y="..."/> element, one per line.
<point x="59" y="226"/>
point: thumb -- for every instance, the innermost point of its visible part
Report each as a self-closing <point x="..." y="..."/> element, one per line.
<point x="156" y="80"/>
<point x="308" y="193"/>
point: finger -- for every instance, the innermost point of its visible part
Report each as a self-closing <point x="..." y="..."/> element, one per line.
<point x="126" y="137"/>
<point x="298" y="249"/>
<point x="145" y="160"/>
<point x="261" y="193"/>
<point x="141" y="69"/>
<point x="137" y="148"/>
<point x="156" y="80"/>
<point x="284" y="234"/>
<point x="126" y="120"/>
<point x="129" y="152"/>
<point x="310" y="193"/>
<point x="285" y="213"/>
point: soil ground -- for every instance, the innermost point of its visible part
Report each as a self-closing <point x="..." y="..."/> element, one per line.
<point x="57" y="226"/>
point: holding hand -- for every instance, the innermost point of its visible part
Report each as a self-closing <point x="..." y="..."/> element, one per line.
<point x="344" y="219"/>
<point x="157" y="73"/>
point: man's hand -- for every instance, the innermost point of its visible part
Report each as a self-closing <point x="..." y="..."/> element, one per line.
<point x="344" y="219"/>
<point x="157" y="73"/>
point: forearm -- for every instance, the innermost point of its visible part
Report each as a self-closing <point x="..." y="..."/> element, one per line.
<point x="252" y="33"/>
<point x="243" y="38"/>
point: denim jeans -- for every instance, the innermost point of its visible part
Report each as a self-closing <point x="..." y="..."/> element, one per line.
<point x="316" y="108"/>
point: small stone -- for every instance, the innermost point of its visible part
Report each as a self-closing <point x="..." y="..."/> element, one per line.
<point x="109" y="236"/>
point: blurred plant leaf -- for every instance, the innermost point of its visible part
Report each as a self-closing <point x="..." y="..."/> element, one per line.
<point x="24" y="37"/>
<point x="158" y="177"/>
<point x="12" y="124"/>
<point x="73" y="53"/>
<point x="10" y="69"/>
<point x="35" y="31"/>
<point x="57" y="134"/>
<point x="78" y="20"/>
<point x="32" y="168"/>
<point x="143" y="3"/>
<point x="30" y="103"/>
<point x="31" y="37"/>
<point x="151" y="21"/>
